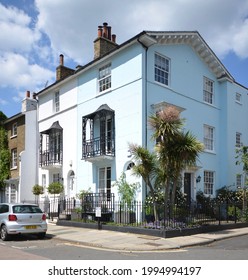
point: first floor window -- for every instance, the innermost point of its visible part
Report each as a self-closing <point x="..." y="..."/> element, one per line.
<point x="56" y="102"/>
<point x="14" y="130"/>
<point x="209" y="138"/>
<point x="14" y="158"/>
<point x="105" y="181"/>
<point x="208" y="182"/>
<point x="105" y="78"/>
<point x="238" y="139"/>
<point x="238" y="181"/>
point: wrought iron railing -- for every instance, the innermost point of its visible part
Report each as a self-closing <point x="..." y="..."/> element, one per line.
<point x="98" y="146"/>
<point x="49" y="157"/>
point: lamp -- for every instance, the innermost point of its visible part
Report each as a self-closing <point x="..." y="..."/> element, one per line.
<point x="198" y="179"/>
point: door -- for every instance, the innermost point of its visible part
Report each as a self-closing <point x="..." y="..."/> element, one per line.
<point x="187" y="187"/>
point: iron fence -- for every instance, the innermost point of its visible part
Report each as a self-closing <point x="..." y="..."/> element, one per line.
<point x="141" y="214"/>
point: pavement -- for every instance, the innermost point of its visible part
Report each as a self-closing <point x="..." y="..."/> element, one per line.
<point x="120" y="241"/>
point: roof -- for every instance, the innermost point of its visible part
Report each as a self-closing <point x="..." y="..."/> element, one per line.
<point x="104" y="109"/>
<point x="149" y="38"/>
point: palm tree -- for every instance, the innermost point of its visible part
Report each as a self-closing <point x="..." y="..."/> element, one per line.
<point x="175" y="149"/>
<point x="183" y="152"/>
<point x="145" y="167"/>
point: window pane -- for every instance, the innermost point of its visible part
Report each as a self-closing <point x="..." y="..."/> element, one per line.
<point x="105" y="78"/>
<point x="208" y="90"/>
<point x="162" y="67"/>
<point x="208" y="182"/>
<point x="209" y="138"/>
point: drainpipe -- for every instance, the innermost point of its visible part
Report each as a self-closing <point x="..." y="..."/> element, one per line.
<point x="145" y="103"/>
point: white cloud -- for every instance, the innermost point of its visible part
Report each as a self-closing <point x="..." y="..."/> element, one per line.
<point x="16" y="33"/>
<point x="18" y="73"/>
<point x="73" y="27"/>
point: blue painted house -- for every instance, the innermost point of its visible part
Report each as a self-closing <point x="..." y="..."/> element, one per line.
<point x="122" y="86"/>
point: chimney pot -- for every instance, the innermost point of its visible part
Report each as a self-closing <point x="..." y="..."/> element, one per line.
<point x="109" y="33"/>
<point x="105" y="30"/>
<point x="114" y="38"/>
<point x="99" y="31"/>
<point x="28" y="94"/>
<point x="61" y="59"/>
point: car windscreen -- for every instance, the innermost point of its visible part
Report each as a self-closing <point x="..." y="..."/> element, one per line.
<point x="26" y="209"/>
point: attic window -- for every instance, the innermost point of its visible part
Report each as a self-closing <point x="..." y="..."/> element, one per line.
<point x="208" y="90"/>
<point x="162" y="69"/>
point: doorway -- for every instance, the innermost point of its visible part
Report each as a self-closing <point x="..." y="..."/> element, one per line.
<point x="187" y="187"/>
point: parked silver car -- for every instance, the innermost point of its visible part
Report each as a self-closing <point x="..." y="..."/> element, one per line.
<point x="21" y="218"/>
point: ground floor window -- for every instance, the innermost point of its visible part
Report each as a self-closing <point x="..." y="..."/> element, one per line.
<point x="208" y="182"/>
<point x="11" y="193"/>
<point x="105" y="180"/>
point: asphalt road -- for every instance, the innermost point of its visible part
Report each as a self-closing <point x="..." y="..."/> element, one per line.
<point x="31" y="248"/>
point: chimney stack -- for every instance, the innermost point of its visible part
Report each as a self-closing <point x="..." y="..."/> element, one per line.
<point x="105" y="42"/>
<point x="62" y="71"/>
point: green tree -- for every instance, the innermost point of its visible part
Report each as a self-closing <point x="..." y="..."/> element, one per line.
<point x="4" y="153"/>
<point x="242" y="159"/>
<point x="37" y="191"/>
<point x="175" y="149"/>
<point x="126" y="190"/>
<point x="146" y="167"/>
<point x="55" y="188"/>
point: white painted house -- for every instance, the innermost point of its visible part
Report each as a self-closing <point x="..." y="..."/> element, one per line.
<point x="88" y="116"/>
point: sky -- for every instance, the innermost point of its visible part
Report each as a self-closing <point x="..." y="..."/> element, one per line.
<point x="33" y="33"/>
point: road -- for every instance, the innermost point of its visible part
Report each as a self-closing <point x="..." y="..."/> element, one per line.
<point x="27" y="248"/>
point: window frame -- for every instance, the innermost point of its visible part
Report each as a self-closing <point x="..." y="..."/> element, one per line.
<point x="13" y="158"/>
<point x="208" y="91"/>
<point x="104" y="78"/>
<point x="208" y="138"/>
<point x="56" y="101"/>
<point x="14" y="130"/>
<point x="238" y="142"/>
<point x="208" y="181"/>
<point x="238" y="97"/>
<point x="164" y="69"/>
<point x="239" y="180"/>
<point x="104" y="182"/>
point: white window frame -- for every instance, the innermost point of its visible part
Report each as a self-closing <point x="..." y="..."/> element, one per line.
<point x="161" y="69"/>
<point x="14" y="158"/>
<point x="208" y="182"/>
<point x="104" y="78"/>
<point x="56" y="102"/>
<point x="239" y="181"/>
<point x="208" y="90"/>
<point x="14" y="130"/>
<point x="238" y="139"/>
<point x="208" y="140"/>
<point x="104" y="180"/>
<point x="238" y="97"/>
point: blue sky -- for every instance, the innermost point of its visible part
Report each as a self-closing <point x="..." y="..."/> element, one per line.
<point x="33" y="33"/>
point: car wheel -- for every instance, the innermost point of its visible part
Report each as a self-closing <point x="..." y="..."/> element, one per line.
<point x="4" y="233"/>
<point x="41" y="235"/>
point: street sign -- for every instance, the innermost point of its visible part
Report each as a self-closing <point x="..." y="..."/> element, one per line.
<point x="98" y="212"/>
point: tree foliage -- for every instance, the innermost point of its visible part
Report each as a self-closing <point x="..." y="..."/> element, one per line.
<point x="175" y="149"/>
<point x="55" y="188"/>
<point x="4" y="152"/>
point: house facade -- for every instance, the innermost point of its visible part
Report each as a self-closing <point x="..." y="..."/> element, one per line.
<point x="22" y="140"/>
<point x="89" y="115"/>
